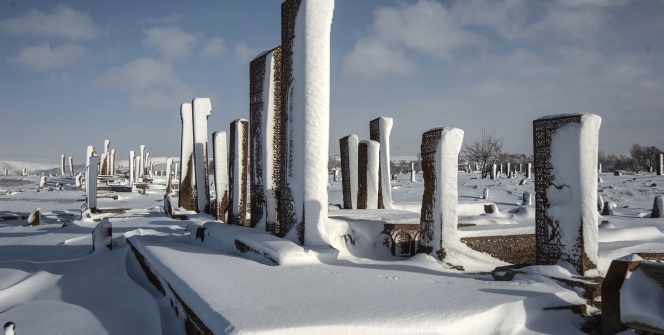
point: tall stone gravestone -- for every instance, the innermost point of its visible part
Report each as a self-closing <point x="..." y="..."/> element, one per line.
<point x="220" y="153"/>
<point x="187" y="198"/>
<point x="438" y="219"/>
<point x="238" y="172"/>
<point x="91" y="183"/>
<point x="305" y="101"/>
<point x="566" y="215"/>
<point x="132" y="159"/>
<point x="202" y="107"/>
<point x="379" y="131"/>
<point x="348" y="147"/>
<point x="660" y="164"/>
<point x="265" y="138"/>
<point x="71" y="166"/>
<point x="62" y="164"/>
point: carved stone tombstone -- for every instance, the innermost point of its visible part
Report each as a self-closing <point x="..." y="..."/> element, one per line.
<point x="62" y="164"/>
<point x="412" y="172"/>
<point x="379" y="130"/>
<point x="508" y="171"/>
<point x="305" y="101"/>
<point x="112" y="162"/>
<point x="660" y="164"/>
<point x="362" y="175"/>
<point x="658" y="207"/>
<point x="169" y="175"/>
<point x="529" y="169"/>
<point x="202" y="107"/>
<point x="438" y="219"/>
<point x="91" y="183"/>
<point x="494" y="172"/>
<point x="90" y="151"/>
<point x="348" y="147"/>
<point x="102" y="236"/>
<point x="71" y="166"/>
<point x="566" y="216"/>
<point x="220" y="156"/>
<point x="34" y="219"/>
<point x="265" y="138"/>
<point x="141" y="163"/>
<point x="238" y="172"/>
<point x="187" y="198"/>
<point x="132" y="166"/>
<point x="373" y="174"/>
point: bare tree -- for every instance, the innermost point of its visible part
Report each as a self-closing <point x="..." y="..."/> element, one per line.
<point x="483" y="151"/>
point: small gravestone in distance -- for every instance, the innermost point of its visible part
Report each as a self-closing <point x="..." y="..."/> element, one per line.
<point x="527" y="199"/>
<point x="660" y="164"/>
<point x="600" y="202"/>
<point x="102" y="236"/>
<point x="529" y="169"/>
<point x="79" y="180"/>
<point x="412" y="172"/>
<point x="42" y="182"/>
<point x="523" y="182"/>
<point x="34" y="219"/>
<point x="485" y="194"/>
<point x="658" y="207"/>
<point x="71" y="166"/>
<point x="62" y="164"/>
<point x="617" y="173"/>
<point x="494" y="173"/>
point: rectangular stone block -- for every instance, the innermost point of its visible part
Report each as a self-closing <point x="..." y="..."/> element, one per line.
<point x="238" y="173"/>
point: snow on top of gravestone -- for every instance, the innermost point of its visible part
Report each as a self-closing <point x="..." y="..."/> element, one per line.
<point x="642" y="300"/>
<point x="556" y="116"/>
<point x="264" y="52"/>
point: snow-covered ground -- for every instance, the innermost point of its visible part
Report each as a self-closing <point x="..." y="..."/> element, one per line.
<point x="51" y="282"/>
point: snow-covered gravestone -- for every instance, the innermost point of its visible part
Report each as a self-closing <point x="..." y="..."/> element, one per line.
<point x="305" y="98"/>
<point x="137" y="170"/>
<point x="494" y="172"/>
<point x="658" y="207"/>
<point x="91" y="183"/>
<point x="660" y="164"/>
<point x="62" y="164"/>
<point x="379" y="131"/>
<point x="102" y="163"/>
<point x="169" y="175"/>
<point x="102" y="236"/>
<point x="507" y="169"/>
<point x="112" y="162"/>
<point x="106" y="161"/>
<point x="187" y="195"/>
<point x="412" y="172"/>
<point x="202" y="107"/>
<point x="438" y="219"/>
<point x="141" y="165"/>
<point x="132" y="159"/>
<point x="373" y="174"/>
<point x="348" y="148"/>
<point x="90" y="151"/>
<point x="565" y="148"/>
<point x="220" y="156"/>
<point x="264" y="117"/>
<point x="529" y="169"/>
<point x="71" y="166"/>
<point x="238" y="172"/>
<point x="42" y="182"/>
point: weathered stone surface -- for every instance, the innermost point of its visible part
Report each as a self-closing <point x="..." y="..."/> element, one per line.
<point x="102" y="236"/>
<point x="238" y="172"/>
<point x="187" y="198"/>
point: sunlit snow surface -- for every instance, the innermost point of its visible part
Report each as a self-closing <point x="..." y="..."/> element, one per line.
<point x="51" y="282"/>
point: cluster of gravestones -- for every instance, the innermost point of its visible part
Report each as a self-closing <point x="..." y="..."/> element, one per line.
<point x="365" y="168"/>
<point x="280" y="154"/>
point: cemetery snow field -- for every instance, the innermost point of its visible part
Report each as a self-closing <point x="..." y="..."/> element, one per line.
<point x="237" y="279"/>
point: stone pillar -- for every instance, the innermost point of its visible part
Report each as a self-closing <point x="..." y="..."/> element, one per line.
<point x="106" y="163"/>
<point x="187" y="198"/>
<point x="660" y="164"/>
<point x="220" y="156"/>
<point x="379" y="130"/>
<point x="141" y="166"/>
<point x="202" y="107"/>
<point x="91" y="183"/>
<point x="348" y="147"/>
<point x="494" y="173"/>
<point x="566" y="215"/>
<point x="169" y="175"/>
<point x="146" y="164"/>
<point x="373" y="174"/>
<point x="599" y="168"/>
<point x="238" y="172"/>
<point x="362" y="175"/>
<point x="137" y="170"/>
<point x="102" y="163"/>
<point x="112" y="162"/>
<point x="151" y="170"/>
<point x="438" y="220"/>
<point x="62" y="164"/>
<point x="658" y="207"/>
<point x="89" y="153"/>
<point x="305" y="99"/>
<point x="264" y="120"/>
<point x="529" y="169"/>
<point x="508" y="171"/>
<point x="412" y="172"/>
<point x="176" y="170"/>
<point x="132" y="161"/>
<point x="71" y="166"/>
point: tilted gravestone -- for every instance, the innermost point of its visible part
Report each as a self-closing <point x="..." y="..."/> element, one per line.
<point x="438" y="219"/>
<point x="566" y="216"/>
<point x="379" y="131"/>
<point x="305" y="101"/>
<point x="187" y="198"/>
<point x="220" y="156"/>
<point x="238" y="172"/>
<point x="348" y="147"/>
<point x="264" y="120"/>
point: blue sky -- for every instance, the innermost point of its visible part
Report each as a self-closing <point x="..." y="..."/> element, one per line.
<point x="74" y="73"/>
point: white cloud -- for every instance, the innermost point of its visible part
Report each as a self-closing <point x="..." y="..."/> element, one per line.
<point x="171" y="42"/>
<point x="244" y="53"/>
<point x="140" y="74"/>
<point x="425" y="27"/>
<point x="62" y="22"/>
<point x="43" y="57"/>
<point x="214" y="47"/>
